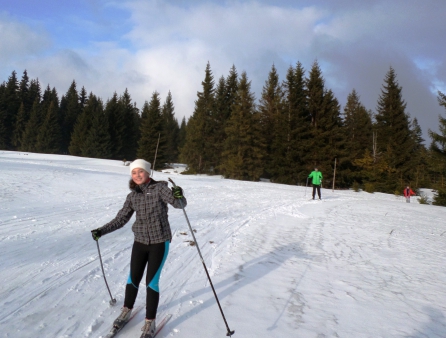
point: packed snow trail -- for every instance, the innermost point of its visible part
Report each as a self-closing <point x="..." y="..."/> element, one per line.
<point x="351" y="265"/>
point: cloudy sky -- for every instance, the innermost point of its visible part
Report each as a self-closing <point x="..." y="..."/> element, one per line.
<point x="150" y="45"/>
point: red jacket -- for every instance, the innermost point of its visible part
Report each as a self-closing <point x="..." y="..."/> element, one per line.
<point x="408" y="192"/>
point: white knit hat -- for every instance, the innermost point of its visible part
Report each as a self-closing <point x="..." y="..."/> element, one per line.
<point x="140" y="164"/>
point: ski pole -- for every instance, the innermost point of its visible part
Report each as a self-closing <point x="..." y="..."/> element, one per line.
<point x="229" y="333"/>
<point x="113" y="300"/>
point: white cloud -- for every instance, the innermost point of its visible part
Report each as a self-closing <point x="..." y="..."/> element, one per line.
<point x="169" y="45"/>
<point x="19" y="40"/>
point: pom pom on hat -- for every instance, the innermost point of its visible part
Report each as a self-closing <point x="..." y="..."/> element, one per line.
<point x="140" y="164"/>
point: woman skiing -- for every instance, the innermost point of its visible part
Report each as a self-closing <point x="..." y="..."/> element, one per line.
<point x="149" y="199"/>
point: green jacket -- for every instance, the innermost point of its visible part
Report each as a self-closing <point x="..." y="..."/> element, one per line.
<point x="316" y="177"/>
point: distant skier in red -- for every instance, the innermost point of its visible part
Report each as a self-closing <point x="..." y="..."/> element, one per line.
<point x="407" y="193"/>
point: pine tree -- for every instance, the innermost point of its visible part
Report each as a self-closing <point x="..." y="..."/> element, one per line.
<point x="394" y="135"/>
<point x="49" y="135"/>
<point x="242" y="157"/>
<point x="197" y="151"/>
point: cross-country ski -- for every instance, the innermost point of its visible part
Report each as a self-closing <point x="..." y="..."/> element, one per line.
<point x="114" y="330"/>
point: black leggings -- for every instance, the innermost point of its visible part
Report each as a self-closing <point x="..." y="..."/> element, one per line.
<point x="153" y="256"/>
<point x="318" y="188"/>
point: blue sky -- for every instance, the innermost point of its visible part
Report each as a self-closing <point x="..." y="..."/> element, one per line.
<point x="149" y="45"/>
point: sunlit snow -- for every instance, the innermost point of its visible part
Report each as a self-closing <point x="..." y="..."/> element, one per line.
<point x="352" y="265"/>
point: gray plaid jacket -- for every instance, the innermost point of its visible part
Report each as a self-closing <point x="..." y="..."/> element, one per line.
<point x="150" y="203"/>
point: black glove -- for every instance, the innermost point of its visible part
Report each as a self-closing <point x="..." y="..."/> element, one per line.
<point x="96" y="234"/>
<point x="177" y="192"/>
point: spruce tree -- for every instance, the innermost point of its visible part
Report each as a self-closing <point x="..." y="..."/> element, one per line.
<point x="3" y="130"/>
<point x="358" y="128"/>
<point x="315" y="103"/>
<point x="439" y="139"/>
<point x="218" y="121"/>
<point x="170" y="129"/>
<point x="34" y="93"/>
<point x="330" y="142"/>
<point x="29" y="137"/>
<point x="70" y="111"/>
<point x="129" y="115"/>
<point x="9" y="108"/>
<point x="20" y="125"/>
<point x="438" y="155"/>
<point x="394" y="135"/>
<point x="420" y="156"/>
<point x="152" y="133"/>
<point x="243" y="148"/>
<point x="116" y="126"/>
<point x="298" y="129"/>
<point x="182" y="133"/>
<point x="97" y="143"/>
<point x="315" y="93"/>
<point x="24" y="94"/>
<point x="225" y="95"/>
<point x="78" y="143"/>
<point x="272" y="121"/>
<point x="327" y="144"/>
<point x="197" y="152"/>
<point x="49" y="135"/>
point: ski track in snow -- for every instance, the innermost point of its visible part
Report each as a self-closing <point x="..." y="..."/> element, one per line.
<point x="351" y="265"/>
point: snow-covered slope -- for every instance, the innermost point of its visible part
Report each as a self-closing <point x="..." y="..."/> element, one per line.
<point x="351" y="265"/>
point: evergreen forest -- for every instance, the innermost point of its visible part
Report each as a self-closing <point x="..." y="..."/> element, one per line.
<point x="295" y="125"/>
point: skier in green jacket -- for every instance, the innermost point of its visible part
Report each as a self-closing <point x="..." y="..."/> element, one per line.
<point x="316" y="180"/>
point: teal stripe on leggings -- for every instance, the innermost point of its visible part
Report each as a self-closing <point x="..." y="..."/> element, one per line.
<point x="154" y="284"/>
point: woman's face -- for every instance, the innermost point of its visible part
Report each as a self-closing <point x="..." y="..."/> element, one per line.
<point x="140" y="176"/>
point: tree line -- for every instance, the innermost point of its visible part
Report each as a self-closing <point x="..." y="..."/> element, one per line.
<point x="82" y="124"/>
<point x="295" y="125"/>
